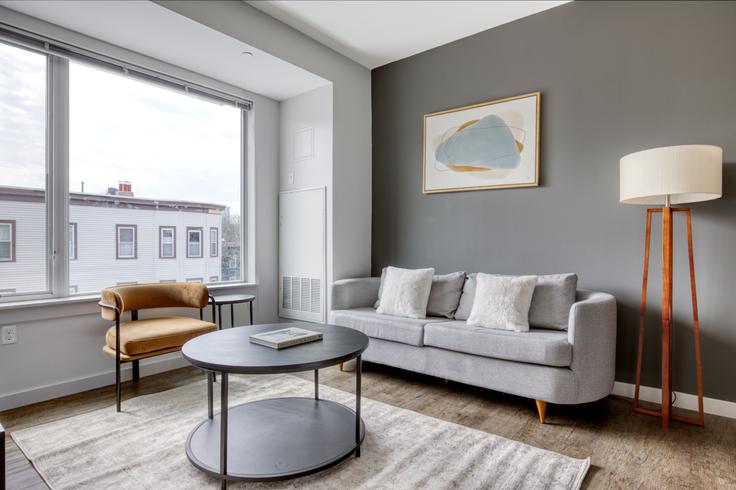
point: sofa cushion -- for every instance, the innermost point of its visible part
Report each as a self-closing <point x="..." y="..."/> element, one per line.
<point x="406" y="292"/>
<point x="394" y="328"/>
<point x="155" y="334"/>
<point x="552" y="300"/>
<point x="466" y="299"/>
<point x="444" y="296"/>
<point x="537" y="346"/>
<point x="502" y="302"/>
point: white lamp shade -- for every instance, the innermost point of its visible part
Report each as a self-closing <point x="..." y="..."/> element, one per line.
<point x="687" y="173"/>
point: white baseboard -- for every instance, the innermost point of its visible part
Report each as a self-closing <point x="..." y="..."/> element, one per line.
<point x="684" y="400"/>
<point x="78" y="385"/>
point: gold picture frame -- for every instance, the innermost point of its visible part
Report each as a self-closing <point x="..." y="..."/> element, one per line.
<point x="490" y="145"/>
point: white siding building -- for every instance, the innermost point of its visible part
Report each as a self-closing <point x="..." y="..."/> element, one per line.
<point x="114" y="238"/>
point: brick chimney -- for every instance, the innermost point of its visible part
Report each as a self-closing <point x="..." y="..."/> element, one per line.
<point x="125" y="188"/>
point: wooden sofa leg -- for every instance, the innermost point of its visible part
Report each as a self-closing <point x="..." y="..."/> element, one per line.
<point x="340" y="366"/>
<point x="542" y="410"/>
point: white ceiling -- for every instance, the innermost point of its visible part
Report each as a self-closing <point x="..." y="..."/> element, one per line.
<point x="155" y="31"/>
<point x="374" y="33"/>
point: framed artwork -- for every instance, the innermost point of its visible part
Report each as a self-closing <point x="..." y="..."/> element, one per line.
<point x="492" y="145"/>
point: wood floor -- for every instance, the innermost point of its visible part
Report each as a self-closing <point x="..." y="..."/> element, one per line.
<point x="627" y="450"/>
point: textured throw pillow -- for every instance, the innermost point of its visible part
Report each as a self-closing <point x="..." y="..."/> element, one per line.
<point x="502" y="302"/>
<point x="444" y="296"/>
<point x="466" y="299"/>
<point x="406" y="292"/>
<point x="552" y="300"/>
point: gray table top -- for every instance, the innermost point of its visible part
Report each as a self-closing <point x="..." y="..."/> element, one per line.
<point x="225" y="299"/>
<point x="231" y="351"/>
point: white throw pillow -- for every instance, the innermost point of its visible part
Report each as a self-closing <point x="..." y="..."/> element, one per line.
<point x="406" y="292"/>
<point x="502" y="302"/>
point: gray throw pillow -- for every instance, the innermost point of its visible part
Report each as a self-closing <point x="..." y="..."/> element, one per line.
<point x="380" y="288"/>
<point x="466" y="299"/>
<point x="444" y="296"/>
<point x="552" y="300"/>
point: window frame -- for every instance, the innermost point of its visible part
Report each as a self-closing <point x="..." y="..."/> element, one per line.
<point x="161" y="242"/>
<point x="72" y="239"/>
<point x="216" y="242"/>
<point x="12" y="224"/>
<point x="119" y="227"/>
<point x="199" y="230"/>
<point x="58" y="55"/>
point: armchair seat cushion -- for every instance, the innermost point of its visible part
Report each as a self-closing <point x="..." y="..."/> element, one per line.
<point x="537" y="346"/>
<point x="141" y="337"/>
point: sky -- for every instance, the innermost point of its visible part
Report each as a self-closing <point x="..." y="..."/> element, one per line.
<point x="167" y="144"/>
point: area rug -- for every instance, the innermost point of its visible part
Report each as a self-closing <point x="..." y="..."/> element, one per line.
<point x="143" y="447"/>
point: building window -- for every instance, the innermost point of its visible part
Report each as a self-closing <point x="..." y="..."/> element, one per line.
<point x="195" y="279"/>
<point x="214" y="245"/>
<point x="214" y="279"/>
<point x="73" y="289"/>
<point x="167" y="242"/>
<point x="127" y="241"/>
<point x="194" y="243"/>
<point x="72" y="243"/>
<point x="7" y="241"/>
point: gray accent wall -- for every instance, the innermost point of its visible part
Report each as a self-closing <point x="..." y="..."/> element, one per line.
<point x="615" y="77"/>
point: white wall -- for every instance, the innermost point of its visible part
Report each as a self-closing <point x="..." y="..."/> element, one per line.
<point x="309" y="117"/>
<point x="351" y="89"/>
<point x="59" y="346"/>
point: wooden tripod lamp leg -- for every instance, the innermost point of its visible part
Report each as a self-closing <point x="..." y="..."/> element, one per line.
<point x="696" y="321"/>
<point x="666" y="315"/>
<point x="642" y="308"/>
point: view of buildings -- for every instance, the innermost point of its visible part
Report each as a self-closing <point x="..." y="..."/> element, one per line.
<point x="117" y="238"/>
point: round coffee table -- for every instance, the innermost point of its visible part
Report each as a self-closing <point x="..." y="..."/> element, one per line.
<point x="278" y="438"/>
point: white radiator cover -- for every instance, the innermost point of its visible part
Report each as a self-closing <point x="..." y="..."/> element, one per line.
<point x="302" y="254"/>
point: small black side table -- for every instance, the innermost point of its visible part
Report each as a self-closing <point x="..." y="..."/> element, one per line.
<point x="232" y="300"/>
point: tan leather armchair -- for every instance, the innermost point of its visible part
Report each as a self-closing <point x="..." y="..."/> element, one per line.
<point x="133" y="340"/>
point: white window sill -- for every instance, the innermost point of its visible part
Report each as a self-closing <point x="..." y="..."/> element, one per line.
<point x="94" y="298"/>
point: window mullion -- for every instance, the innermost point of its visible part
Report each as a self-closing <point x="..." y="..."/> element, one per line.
<point x="58" y="183"/>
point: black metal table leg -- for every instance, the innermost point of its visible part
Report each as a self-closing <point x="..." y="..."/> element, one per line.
<point x="358" y="372"/>
<point x="232" y="315"/>
<point x="219" y="315"/>
<point x="223" y="428"/>
<point x="316" y="384"/>
<point x="250" y="304"/>
<point x="210" y="376"/>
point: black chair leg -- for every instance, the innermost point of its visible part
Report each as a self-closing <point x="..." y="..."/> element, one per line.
<point x="136" y="371"/>
<point x="118" y="388"/>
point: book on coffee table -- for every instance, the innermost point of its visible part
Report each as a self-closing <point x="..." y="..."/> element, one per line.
<point x="285" y="337"/>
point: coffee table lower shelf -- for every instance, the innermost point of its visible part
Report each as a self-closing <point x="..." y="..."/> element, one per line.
<point x="276" y="439"/>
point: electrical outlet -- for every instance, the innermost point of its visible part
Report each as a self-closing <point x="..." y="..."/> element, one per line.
<point x="9" y="334"/>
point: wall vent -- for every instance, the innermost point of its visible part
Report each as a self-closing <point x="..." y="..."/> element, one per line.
<point x="301" y="294"/>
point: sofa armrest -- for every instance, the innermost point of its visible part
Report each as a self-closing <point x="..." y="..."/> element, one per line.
<point x="354" y="293"/>
<point x="592" y="333"/>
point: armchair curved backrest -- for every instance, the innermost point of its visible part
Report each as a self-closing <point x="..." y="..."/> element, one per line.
<point x="143" y="296"/>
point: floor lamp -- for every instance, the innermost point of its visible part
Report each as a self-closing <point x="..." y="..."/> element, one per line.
<point x="665" y="177"/>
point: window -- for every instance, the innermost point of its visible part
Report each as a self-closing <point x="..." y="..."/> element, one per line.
<point x="214" y="279"/>
<point x="127" y="245"/>
<point x="214" y="246"/>
<point x="72" y="243"/>
<point x="7" y="241"/>
<point x="24" y="209"/>
<point x="159" y="154"/>
<point x="167" y="242"/>
<point x="194" y="243"/>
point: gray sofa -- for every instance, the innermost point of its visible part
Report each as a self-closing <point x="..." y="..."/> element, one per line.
<point x="556" y="366"/>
